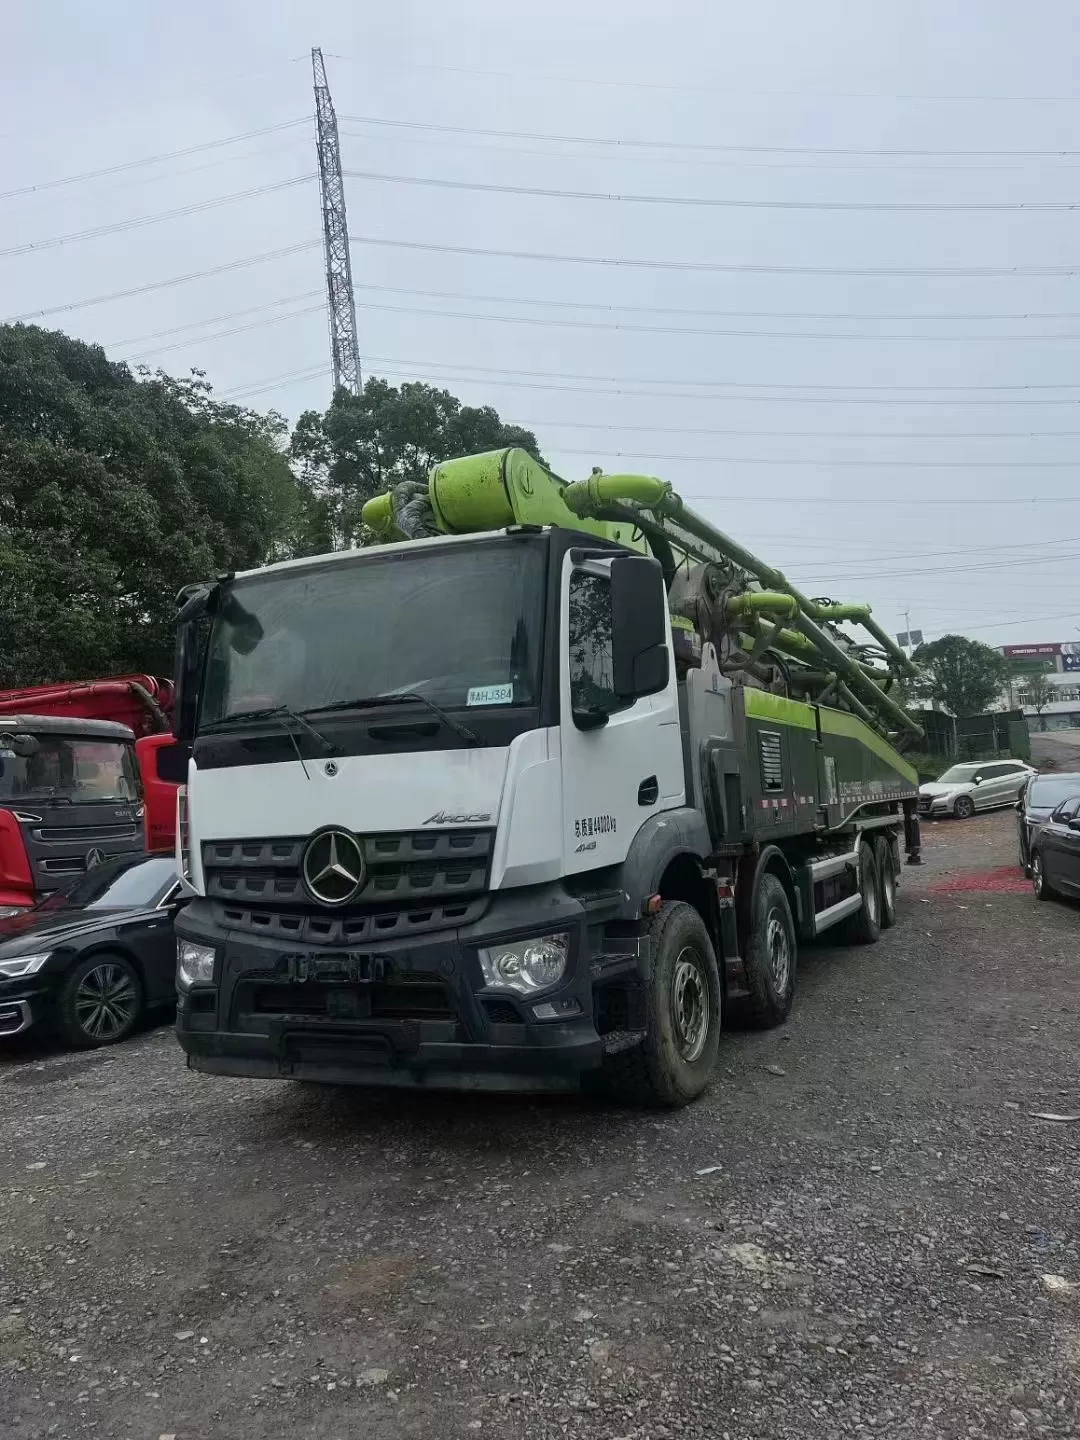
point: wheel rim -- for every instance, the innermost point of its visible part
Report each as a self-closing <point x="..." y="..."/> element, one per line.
<point x="1036" y="874"/>
<point x="965" y="808"/>
<point x="778" y="946"/>
<point x="105" y="1002"/>
<point x="690" y="1004"/>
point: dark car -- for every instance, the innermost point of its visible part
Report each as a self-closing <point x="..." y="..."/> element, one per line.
<point x="91" y="960"/>
<point x="1039" y="800"/>
<point x="1055" y="853"/>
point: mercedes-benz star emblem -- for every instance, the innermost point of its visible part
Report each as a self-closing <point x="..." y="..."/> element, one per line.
<point x="94" y="857"/>
<point x="333" y="867"/>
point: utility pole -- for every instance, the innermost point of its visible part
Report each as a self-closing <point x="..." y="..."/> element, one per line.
<point x="340" y="301"/>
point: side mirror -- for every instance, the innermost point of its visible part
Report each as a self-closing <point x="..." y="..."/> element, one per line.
<point x="194" y="606"/>
<point x="172" y="763"/>
<point x="640" y="655"/>
<point x="21" y="744"/>
<point x="976" y="779"/>
<point x="1074" y="823"/>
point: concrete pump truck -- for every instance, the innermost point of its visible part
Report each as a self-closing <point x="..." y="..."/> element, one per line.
<point x="536" y="790"/>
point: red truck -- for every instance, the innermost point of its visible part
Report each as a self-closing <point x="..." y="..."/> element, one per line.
<point x="79" y="779"/>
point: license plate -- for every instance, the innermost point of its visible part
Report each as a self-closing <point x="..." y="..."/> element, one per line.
<point x="334" y="969"/>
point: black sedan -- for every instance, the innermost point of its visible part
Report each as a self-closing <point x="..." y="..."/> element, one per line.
<point x="1055" y="853"/>
<point x="90" y="961"/>
<point x="1040" y="798"/>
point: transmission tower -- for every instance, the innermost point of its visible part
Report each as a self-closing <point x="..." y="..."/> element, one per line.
<point x="341" y="303"/>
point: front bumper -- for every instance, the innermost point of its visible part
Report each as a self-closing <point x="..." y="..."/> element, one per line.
<point x="419" y="1016"/>
<point x="15" y="1017"/>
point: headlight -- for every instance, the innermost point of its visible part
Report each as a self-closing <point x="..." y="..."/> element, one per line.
<point x="526" y="966"/>
<point x="194" y="964"/>
<point x="23" y="965"/>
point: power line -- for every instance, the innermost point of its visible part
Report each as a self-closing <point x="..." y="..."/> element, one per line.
<point x="698" y="311"/>
<point x="800" y="462"/>
<point x="629" y="143"/>
<point x="211" y="320"/>
<point x="772" y="432"/>
<point x="718" y="203"/>
<point x="139" y="221"/>
<point x="274" y="382"/>
<point x="952" y="272"/>
<point x="158" y="159"/>
<point x="683" y="87"/>
<point x="499" y="380"/>
<point x="233" y="330"/>
<point x="709" y="330"/>
<point x="230" y="265"/>
<point x="735" y="384"/>
<point x="700" y="162"/>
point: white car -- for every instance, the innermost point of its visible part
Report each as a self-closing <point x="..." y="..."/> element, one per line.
<point x="977" y="785"/>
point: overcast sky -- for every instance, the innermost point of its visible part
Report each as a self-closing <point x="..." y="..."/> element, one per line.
<point x="901" y="422"/>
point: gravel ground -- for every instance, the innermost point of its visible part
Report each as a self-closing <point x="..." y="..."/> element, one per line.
<point x="862" y="1230"/>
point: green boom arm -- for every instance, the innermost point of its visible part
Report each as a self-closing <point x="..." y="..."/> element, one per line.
<point x="506" y="487"/>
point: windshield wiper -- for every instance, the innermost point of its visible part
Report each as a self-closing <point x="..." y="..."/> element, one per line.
<point x="403" y="697"/>
<point x="282" y="713"/>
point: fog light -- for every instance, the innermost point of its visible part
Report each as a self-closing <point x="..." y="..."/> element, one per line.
<point x="194" y="964"/>
<point x="526" y="966"/>
<point x="556" y="1010"/>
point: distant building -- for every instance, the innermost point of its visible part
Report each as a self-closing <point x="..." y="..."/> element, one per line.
<point x="1058" y="666"/>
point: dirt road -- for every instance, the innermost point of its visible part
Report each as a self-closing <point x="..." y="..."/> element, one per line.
<point x="856" y="1233"/>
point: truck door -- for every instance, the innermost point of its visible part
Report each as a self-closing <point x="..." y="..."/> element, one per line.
<point x="616" y="771"/>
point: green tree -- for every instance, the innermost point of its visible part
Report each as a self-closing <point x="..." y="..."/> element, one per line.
<point x="1040" y="691"/>
<point x="365" y="443"/>
<point x="115" y="491"/>
<point x="964" y="675"/>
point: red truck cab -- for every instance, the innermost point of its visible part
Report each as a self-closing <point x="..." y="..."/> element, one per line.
<point x="70" y="797"/>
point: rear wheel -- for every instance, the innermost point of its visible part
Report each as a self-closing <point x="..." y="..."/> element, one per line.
<point x="771" y="954"/>
<point x="886" y="863"/>
<point x="675" y="1061"/>
<point x="1039" y="883"/>
<point x="864" y="927"/>
<point x="963" y="807"/>
<point x="101" y="1002"/>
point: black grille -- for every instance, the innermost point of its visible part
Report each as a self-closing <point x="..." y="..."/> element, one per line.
<point x="85" y="834"/>
<point x="925" y="804"/>
<point x="396" y="998"/>
<point x="432" y="871"/>
<point x="323" y="927"/>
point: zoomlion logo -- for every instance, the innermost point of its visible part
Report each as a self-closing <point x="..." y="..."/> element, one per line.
<point x="441" y="817"/>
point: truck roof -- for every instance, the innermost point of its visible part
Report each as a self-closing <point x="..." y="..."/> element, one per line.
<point x="67" y="725"/>
<point x="334" y="557"/>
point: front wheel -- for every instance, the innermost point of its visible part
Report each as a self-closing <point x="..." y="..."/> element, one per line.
<point x="101" y="1002"/>
<point x="963" y="807"/>
<point x="1025" y="865"/>
<point x="675" y="1061"/>
<point x="1039" y="883"/>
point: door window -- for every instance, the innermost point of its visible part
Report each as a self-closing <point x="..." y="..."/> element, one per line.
<point x="589" y="642"/>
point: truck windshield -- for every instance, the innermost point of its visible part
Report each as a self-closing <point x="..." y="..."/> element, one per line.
<point x="462" y="626"/>
<point x="70" y="769"/>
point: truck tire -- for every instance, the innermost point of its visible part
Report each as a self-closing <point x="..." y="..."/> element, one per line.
<point x="676" y="1059"/>
<point x="886" y="863"/>
<point x="771" y="954"/>
<point x="864" y="927"/>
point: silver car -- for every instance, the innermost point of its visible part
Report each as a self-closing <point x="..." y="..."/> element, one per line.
<point x="977" y="785"/>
